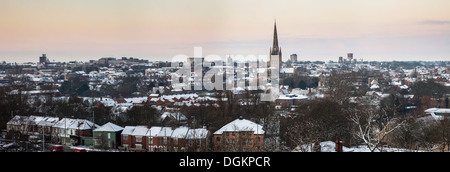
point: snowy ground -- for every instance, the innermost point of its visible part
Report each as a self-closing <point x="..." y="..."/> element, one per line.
<point x="330" y="146"/>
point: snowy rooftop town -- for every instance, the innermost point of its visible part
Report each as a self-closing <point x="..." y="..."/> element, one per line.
<point x="129" y="104"/>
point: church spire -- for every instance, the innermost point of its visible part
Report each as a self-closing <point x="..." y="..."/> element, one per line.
<point x="275" y="51"/>
<point x="275" y="37"/>
<point x="275" y="48"/>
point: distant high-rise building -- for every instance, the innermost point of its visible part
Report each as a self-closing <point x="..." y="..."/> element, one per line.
<point x="229" y="60"/>
<point x="43" y="59"/>
<point x="341" y="59"/>
<point x="275" y="51"/>
<point x="350" y="56"/>
<point x="293" y="57"/>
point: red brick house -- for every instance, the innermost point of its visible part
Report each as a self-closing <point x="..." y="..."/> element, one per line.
<point x="133" y="138"/>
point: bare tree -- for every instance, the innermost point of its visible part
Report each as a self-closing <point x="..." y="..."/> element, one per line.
<point x="372" y="128"/>
<point x="340" y="87"/>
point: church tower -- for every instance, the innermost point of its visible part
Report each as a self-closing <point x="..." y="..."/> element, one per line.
<point x="275" y="51"/>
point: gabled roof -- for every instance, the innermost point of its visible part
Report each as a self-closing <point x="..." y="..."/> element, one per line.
<point x="241" y="125"/>
<point x="154" y="131"/>
<point x="165" y="132"/>
<point x="69" y="123"/>
<point x="109" y="127"/>
<point x="18" y="120"/>
<point x="180" y="132"/>
<point x="48" y="121"/>
<point x="25" y="120"/>
<point x="199" y="133"/>
<point x="140" y="131"/>
<point x="128" y="130"/>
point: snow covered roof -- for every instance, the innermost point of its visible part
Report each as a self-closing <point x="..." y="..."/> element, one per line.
<point x="140" y="131"/>
<point x="241" y="125"/>
<point x="18" y="120"/>
<point x="128" y="130"/>
<point x="108" y="102"/>
<point x="292" y="96"/>
<point x="374" y="86"/>
<point x="438" y="113"/>
<point x="27" y="120"/>
<point x="287" y="70"/>
<point x="69" y="123"/>
<point x="48" y="121"/>
<point x="438" y="110"/>
<point x="175" y="115"/>
<point x="109" y="127"/>
<point x="180" y="132"/>
<point x="165" y="132"/>
<point x="154" y="131"/>
<point x="136" y="100"/>
<point x="200" y="133"/>
<point x="405" y="87"/>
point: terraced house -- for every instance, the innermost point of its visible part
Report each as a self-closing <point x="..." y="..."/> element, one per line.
<point x="240" y="135"/>
<point x="164" y="139"/>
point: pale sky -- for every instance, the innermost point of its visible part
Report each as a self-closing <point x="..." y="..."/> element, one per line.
<point x="160" y="29"/>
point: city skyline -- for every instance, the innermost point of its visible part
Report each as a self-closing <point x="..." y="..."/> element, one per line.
<point x="158" y="30"/>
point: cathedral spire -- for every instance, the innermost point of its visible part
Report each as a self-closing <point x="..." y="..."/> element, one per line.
<point x="275" y="51"/>
<point x="275" y="38"/>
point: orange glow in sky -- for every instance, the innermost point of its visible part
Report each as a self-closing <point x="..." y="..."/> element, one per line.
<point x="160" y="29"/>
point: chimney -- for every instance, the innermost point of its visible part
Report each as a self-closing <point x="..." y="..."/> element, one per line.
<point x="206" y="126"/>
<point x="173" y="126"/>
<point x="241" y="117"/>
<point x="339" y="145"/>
<point x="149" y="125"/>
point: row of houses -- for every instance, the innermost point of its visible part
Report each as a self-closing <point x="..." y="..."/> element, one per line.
<point x="239" y="135"/>
<point x="163" y="139"/>
<point x="58" y="130"/>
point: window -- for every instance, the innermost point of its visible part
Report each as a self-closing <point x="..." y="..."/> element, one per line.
<point x="249" y="141"/>
<point x="175" y="141"/>
<point x="125" y="137"/>
<point x="165" y="140"/>
<point x="109" y="135"/>
<point x="138" y="146"/>
<point x="138" y="138"/>
<point x="150" y="140"/>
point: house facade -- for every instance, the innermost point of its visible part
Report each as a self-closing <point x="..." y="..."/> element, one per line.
<point x="240" y="135"/>
<point x="108" y="136"/>
<point x="164" y="139"/>
<point x="73" y="131"/>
